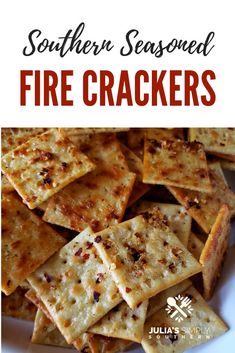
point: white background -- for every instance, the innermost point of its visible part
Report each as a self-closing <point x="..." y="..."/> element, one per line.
<point x="155" y="20"/>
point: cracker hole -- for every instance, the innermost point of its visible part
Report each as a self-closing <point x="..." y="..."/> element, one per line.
<point x="59" y="307"/>
<point x="148" y="282"/>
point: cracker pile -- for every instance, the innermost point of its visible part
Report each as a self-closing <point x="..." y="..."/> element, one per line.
<point x="93" y="246"/>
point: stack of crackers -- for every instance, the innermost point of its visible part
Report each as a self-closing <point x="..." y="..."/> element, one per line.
<point x="101" y="226"/>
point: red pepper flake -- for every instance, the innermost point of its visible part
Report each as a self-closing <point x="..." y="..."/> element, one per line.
<point x="89" y="244"/>
<point x="135" y="254"/>
<point x="85" y="257"/>
<point x="172" y="267"/>
<point x="107" y="245"/>
<point x="47" y="181"/>
<point x="128" y="290"/>
<point x="100" y="277"/>
<point x="98" y="238"/>
<point x="48" y="277"/>
<point x="64" y="164"/>
<point x="96" y="296"/>
<point x="78" y="253"/>
<point x="44" y="171"/>
<point x="45" y="156"/>
<point x="137" y="273"/>
<point x="143" y="261"/>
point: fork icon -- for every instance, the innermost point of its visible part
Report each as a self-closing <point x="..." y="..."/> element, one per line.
<point x="185" y="302"/>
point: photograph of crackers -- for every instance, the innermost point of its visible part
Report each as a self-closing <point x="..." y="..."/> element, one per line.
<point x="101" y="225"/>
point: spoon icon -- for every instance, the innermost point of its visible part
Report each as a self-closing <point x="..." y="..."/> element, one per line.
<point x="172" y="302"/>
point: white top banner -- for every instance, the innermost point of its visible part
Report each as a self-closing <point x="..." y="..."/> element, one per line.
<point x="102" y="63"/>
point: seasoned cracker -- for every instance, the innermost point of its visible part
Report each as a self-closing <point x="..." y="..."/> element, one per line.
<point x="42" y="166"/>
<point x="214" y="251"/>
<point x="176" y="216"/>
<point x="227" y="165"/>
<point x="13" y="137"/>
<point x="6" y="185"/>
<point x="122" y="322"/>
<point x="195" y="246"/>
<point x="135" y="137"/>
<point x="51" y="334"/>
<point x="229" y="157"/>
<point x="75" y="287"/>
<point x="144" y="259"/>
<point x="159" y="300"/>
<point x="102" y="344"/>
<point x="176" y="163"/>
<point x="27" y="242"/>
<point x="46" y="332"/>
<point x="91" y="130"/>
<point x="135" y="165"/>
<point x="31" y="295"/>
<point x="16" y="305"/>
<point x="215" y="140"/>
<point x="204" y="207"/>
<point x="100" y="198"/>
<point x="202" y="318"/>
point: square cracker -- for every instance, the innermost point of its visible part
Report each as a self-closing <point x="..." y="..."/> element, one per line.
<point x="159" y="300"/>
<point x="16" y="305"/>
<point x="27" y="242"/>
<point x="75" y="287"/>
<point x="31" y="295"/>
<point x="135" y="137"/>
<point x="46" y="332"/>
<point x="215" y="140"/>
<point x="195" y="246"/>
<point x="122" y="322"/>
<point x="214" y="251"/>
<point x="176" y="216"/>
<point x="135" y="165"/>
<point x="227" y="165"/>
<point x="202" y="319"/>
<point x="51" y="334"/>
<point x="102" y="344"/>
<point x="13" y="137"/>
<point x="98" y="199"/>
<point x="43" y="165"/>
<point x="176" y="163"/>
<point x="144" y="257"/>
<point x="204" y="207"/>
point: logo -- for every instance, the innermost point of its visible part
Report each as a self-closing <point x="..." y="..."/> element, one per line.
<point x="179" y="307"/>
